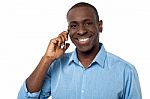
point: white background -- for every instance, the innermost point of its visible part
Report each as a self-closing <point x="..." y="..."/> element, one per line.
<point x="26" y="26"/>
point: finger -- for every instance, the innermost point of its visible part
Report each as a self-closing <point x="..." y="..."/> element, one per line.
<point x="62" y="38"/>
<point x="53" y="43"/>
<point x="60" y="41"/>
<point x="65" y="35"/>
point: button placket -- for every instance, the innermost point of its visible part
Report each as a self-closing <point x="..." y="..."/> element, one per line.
<point x="83" y="84"/>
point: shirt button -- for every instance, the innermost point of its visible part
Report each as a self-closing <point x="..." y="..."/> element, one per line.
<point x="82" y="91"/>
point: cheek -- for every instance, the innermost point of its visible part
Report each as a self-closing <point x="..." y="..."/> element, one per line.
<point x="94" y="29"/>
<point x="71" y="36"/>
<point x="96" y="37"/>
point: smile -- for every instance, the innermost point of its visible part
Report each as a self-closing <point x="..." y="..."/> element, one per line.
<point x="83" y="40"/>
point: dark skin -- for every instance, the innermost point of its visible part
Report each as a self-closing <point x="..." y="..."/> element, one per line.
<point x="85" y="37"/>
<point x="84" y="32"/>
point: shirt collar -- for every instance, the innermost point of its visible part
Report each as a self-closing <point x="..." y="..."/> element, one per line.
<point x="74" y="57"/>
<point x="100" y="57"/>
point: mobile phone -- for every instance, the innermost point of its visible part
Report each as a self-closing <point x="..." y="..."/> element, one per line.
<point x="66" y="42"/>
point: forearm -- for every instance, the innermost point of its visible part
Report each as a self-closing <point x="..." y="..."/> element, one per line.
<point x="54" y="51"/>
<point x="35" y="80"/>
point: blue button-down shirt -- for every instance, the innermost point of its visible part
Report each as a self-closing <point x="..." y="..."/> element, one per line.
<point x="107" y="77"/>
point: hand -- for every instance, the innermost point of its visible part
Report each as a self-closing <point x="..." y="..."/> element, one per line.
<point x="55" y="49"/>
<point x="57" y="46"/>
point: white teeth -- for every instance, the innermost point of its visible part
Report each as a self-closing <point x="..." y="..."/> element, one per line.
<point x="83" y="40"/>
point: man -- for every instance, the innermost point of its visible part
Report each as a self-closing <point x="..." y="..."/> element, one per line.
<point x="89" y="72"/>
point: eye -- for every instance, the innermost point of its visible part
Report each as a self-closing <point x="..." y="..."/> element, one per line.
<point x="88" y="23"/>
<point x="73" y="26"/>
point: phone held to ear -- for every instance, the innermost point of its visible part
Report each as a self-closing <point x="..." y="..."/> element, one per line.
<point x="66" y="41"/>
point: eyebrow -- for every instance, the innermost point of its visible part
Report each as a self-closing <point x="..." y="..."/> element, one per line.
<point x="75" y="22"/>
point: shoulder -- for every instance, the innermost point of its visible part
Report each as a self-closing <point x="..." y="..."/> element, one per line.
<point x="117" y="62"/>
<point x="66" y="56"/>
<point x="121" y="67"/>
<point x="63" y="60"/>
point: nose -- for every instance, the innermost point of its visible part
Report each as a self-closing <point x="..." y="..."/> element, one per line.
<point x="82" y="30"/>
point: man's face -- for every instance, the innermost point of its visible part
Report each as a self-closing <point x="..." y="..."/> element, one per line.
<point x="84" y="28"/>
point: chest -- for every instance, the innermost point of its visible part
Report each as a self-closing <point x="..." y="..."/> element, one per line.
<point x="91" y="83"/>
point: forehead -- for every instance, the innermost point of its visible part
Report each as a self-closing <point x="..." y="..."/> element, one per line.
<point x="81" y="13"/>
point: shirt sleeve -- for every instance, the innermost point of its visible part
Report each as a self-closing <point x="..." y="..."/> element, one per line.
<point x="44" y="93"/>
<point x="132" y="88"/>
<point x="25" y="94"/>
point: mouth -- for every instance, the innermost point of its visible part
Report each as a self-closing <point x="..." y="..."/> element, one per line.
<point x="83" y="40"/>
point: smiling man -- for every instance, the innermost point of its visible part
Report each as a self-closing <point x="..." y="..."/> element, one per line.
<point x="89" y="72"/>
<point x="84" y="27"/>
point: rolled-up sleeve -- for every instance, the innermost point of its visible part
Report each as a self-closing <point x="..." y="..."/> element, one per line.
<point x="25" y="94"/>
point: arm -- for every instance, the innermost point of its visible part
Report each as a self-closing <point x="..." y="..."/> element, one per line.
<point x="54" y="50"/>
<point x="132" y="88"/>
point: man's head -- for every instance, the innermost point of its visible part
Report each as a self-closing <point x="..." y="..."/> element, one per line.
<point x="83" y="4"/>
<point x="84" y="26"/>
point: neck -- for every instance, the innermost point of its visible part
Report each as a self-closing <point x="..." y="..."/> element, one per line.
<point x="86" y="58"/>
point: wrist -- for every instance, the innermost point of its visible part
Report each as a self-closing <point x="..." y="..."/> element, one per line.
<point x="47" y="60"/>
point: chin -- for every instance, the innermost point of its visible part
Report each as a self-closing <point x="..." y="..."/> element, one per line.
<point x="84" y="49"/>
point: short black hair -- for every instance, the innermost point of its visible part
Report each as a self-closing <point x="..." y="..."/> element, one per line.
<point x="84" y="4"/>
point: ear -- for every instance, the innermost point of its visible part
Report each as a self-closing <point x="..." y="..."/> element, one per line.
<point x="100" y="23"/>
